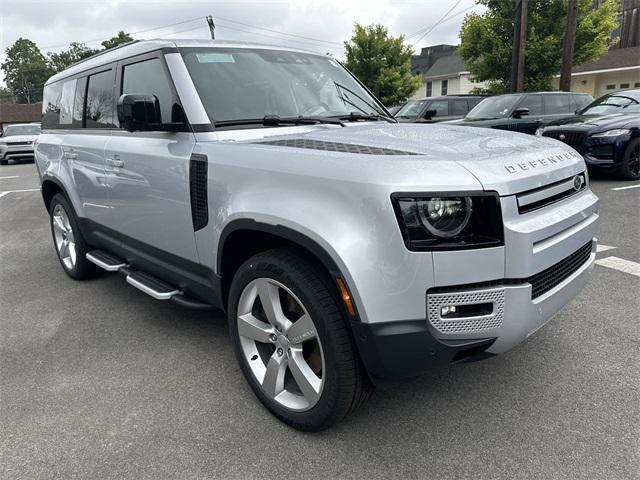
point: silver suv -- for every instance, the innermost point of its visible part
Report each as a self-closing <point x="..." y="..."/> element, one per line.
<point x="346" y="249"/>
<point x="17" y="140"/>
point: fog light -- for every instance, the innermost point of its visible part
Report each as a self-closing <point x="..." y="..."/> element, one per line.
<point x="447" y="310"/>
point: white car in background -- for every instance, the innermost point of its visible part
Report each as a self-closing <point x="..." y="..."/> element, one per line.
<point x="16" y="142"/>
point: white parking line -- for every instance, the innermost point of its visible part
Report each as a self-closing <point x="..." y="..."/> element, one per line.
<point x="603" y="248"/>
<point x="10" y="176"/>
<point x="2" y="194"/>
<point x="627" y="187"/>
<point x="620" y="264"/>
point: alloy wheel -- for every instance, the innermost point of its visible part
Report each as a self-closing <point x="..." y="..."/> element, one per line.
<point x="63" y="236"/>
<point x="280" y="344"/>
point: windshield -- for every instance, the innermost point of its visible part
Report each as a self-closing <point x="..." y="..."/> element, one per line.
<point x="614" y="103"/>
<point x="236" y="84"/>
<point x="13" y="130"/>
<point x="411" y="109"/>
<point x="493" y="107"/>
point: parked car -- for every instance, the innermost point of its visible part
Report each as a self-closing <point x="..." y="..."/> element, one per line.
<point x="269" y="183"/>
<point x="524" y="112"/>
<point x="606" y="133"/>
<point x="438" y="109"/>
<point x="16" y="142"/>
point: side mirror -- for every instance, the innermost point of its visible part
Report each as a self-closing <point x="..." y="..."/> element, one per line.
<point x="142" y="113"/>
<point x="520" y="112"/>
<point x="430" y="113"/>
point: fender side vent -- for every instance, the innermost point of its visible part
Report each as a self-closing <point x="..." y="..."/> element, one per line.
<point x="198" y="190"/>
<point x="334" y="146"/>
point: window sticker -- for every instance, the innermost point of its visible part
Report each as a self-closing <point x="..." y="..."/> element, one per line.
<point x="215" y="57"/>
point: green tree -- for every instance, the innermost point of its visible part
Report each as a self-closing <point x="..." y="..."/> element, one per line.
<point x="77" y="51"/>
<point x="487" y="40"/>
<point x="6" y="96"/>
<point x="26" y="70"/>
<point x="382" y="63"/>
<point x="121" y="37"/>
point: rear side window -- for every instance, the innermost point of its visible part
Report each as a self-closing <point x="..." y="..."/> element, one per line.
<point x="458" y="107"/>
<point x="440" y="106"/>
<point x="100" y="100"/>
<point x="51" y="106"/>
<point x="557" y="104"/>
<point x="78" y="103"/>
<point x="533" y="103"/>
<point x="148" y="77"/>
<point x="66" y="103"/>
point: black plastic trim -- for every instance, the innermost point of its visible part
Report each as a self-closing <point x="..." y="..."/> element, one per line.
<point x="406" y="348"/>
<point x="198" y="166"/>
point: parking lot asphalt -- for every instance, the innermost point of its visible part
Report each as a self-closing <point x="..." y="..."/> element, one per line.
<point x="98" y="381"/>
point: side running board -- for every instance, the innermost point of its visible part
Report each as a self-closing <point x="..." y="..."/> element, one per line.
<point x="144" y="282"/>
<point x="151" y="286"/>
<point x="105" y="261"/>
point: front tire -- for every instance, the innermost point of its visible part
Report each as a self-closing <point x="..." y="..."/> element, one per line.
<point x="630" y="169"/>
<point x="292" y="341"/>
<point x="68" y="241"/>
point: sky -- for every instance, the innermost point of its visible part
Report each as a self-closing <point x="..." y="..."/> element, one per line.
<point x="317" y="25"/>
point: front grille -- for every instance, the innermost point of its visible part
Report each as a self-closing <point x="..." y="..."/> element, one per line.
<point x="552" y="193"/>
<point x="435" y="301"/>
<point x="573" y="139"/>
<point x="198" y="191"/>
<point x="309" y="143"/>
<point x="546" y="280"/>
<point x="541" y="282"/>
<point x="15" y="144"/>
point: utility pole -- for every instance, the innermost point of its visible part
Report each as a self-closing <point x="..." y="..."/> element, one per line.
<point x="519" y="42"/>
<point x="567" y="46"/>
<point x="212" y="26"/>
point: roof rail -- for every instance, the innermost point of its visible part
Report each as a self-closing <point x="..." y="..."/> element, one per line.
<point x="102" y="52"/>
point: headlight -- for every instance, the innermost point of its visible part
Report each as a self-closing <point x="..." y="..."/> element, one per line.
<point x="539" y="131"/>
<point x="612" y="133"/>
<point x="439" y="222"/>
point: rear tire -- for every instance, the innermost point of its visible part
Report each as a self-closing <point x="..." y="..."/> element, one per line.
<point x="68" y="240"/>
<point x="630" y="169"/>
<point x="4" y="161"/>
<point x="335" y="383"/>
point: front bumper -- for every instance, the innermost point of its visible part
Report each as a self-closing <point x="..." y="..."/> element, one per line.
<point x="400" y="349"/>
<point x="15" y="152"/>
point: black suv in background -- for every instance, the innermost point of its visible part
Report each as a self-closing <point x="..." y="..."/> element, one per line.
<point x="438" y="109"/>
<point x="524" y="112"/>
<point x="606" y="133"/>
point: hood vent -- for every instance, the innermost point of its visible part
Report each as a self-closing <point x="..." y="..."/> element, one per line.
<point x="334" y="146"/>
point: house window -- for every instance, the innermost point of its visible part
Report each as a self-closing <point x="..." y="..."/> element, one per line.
<point x="624" y="85"/>
<point x="444" y="87"/>
<point x="610" y="87"/>
<point x="636" y="85"/>
<point x="429" y="89"/>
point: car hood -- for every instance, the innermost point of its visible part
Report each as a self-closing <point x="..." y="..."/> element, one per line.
<point x="501" y="161"/>
<point x="612" y="120"/>
<point x="18" y="138"/>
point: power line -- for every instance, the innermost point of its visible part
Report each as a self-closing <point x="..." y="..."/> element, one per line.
<point x="273" y="36"/>
<point x="429" y="30"/>
<point x="161" y="27"/>
<point x="277" y="31"/>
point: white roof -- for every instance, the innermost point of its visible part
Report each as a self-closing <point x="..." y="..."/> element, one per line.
<point x="138" y="47"/>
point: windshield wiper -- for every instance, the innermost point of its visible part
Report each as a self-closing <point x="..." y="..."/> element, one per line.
<point x="275" y="120"/>
<point x="355" y="116"/>
<point x="346" y="100"/>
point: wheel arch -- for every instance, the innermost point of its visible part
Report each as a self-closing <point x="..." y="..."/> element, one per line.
<point x="49" y="188"/>
<point x="243" y="238"/>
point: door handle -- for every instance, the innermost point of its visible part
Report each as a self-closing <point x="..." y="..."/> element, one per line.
<point x="70" y="154"/>
<point x="114" y="161"/>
